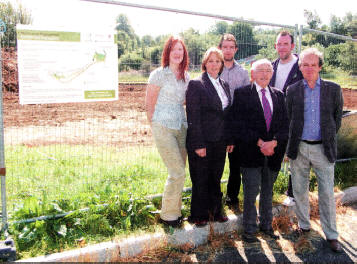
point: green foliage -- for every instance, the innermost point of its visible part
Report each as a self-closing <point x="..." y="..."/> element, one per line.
<point x="347" y="138"/>
<point x="12" y="15"/>
<point x="197" y="44"/>
<point x="312" y="18"/>
<point x="155" y="55"/>
<point x="342" y="56"/>
<point x="332" y="55"/>
<point x="121" y="215"/>
<point x="130" y="61"/>
<point x="123" y="25"/>
<point x="219" y="28"/>
<point x="345" y="174"/>
<point x="247" y="44"/>
<point x="281" y="183"/>
<point x="348" y="57"/>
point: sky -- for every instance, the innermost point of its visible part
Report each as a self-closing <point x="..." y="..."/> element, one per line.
<point x="79" y="13"/>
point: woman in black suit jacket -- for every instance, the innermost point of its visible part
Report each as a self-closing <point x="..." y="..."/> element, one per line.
<point x="207" y="103"/>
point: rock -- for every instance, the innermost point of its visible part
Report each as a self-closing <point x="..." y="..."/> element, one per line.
<point x="347" y="196"/>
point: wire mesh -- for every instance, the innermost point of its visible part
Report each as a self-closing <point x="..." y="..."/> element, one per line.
<point x="84" y="152"/>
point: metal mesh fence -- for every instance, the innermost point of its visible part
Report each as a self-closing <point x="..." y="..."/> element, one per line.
<point x="80" y="153"/>
<point x="340" y="56"/>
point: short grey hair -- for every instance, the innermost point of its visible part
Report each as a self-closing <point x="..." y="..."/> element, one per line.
<point x="312" y="51"/>
<point x="261" y="62"/>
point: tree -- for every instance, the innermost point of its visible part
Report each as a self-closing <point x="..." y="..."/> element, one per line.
<point x="155" y="55"/>
<point x="128" y="41"/>
<point x="247" y="44"/>
<point x="312" y="19"/>
<point x="219" y="28"/>
<point x="11" y="16"/>
<point x="348" y="57"/>
<point x="123" y="24"/>
<point x="351" y="24"/>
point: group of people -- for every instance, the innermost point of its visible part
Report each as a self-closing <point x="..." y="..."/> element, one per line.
<point x="284" y="108"/>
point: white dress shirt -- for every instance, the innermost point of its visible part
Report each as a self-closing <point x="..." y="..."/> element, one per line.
<point x="267" y="95"/>
<point x="220" y="91"/>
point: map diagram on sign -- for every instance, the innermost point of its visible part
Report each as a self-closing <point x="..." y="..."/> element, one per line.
<point x="57" y="66"/>
<point x="72" y="74"/>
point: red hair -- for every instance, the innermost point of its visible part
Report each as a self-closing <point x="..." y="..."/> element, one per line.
<point x="165" y="61"/>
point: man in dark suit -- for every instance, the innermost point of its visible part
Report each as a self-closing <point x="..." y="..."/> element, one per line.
<point x="286" y="72"/>
<point x="259" y="124"/>
<point x="315" y="113"/>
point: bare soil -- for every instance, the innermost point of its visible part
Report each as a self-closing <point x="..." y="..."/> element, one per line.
<point x="121" y="122"/>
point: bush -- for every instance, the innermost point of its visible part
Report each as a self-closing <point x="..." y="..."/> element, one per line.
<point x="345" y="174"/>
<point x="347" y="138"/>
<point x="130" y="61"/>
<point x="346" y="171"/>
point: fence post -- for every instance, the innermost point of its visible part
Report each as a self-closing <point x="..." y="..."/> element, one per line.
<point x="300" y="38"/>
<point x="296" y="32"/>
<point x="2" y="154"/>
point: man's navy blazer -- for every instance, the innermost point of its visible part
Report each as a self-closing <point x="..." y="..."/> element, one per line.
<point x="331" y="107"/>
<point x="247" y="125"/>
<point x="205" y="117"/>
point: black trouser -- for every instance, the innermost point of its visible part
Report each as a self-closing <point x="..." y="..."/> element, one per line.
<point x="234" y="179"/>
<point x="206" y="174"/>
<point x="290" y="187"/>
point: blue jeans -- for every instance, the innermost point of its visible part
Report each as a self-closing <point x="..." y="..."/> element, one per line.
<point x="312" y="156"/>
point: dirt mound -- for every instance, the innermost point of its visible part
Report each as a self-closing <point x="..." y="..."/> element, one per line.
<point x="9" y="70"/>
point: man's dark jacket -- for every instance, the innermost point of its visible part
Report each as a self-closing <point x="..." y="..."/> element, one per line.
<point x="247" y="125"/>
<point x="331" y="105"/>
<point x="294" y="75"/>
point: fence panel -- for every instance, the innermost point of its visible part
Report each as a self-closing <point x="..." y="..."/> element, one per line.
<point x="77" y="154"/>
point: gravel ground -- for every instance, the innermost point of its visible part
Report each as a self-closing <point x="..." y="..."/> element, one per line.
<point x="230" y="248"/>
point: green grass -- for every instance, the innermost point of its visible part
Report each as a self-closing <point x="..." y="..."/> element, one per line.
<point x="342" y="78"/>
<point x="79" y="173"/>
<point x="111" y="183"/>
<point x="51" y="180"/>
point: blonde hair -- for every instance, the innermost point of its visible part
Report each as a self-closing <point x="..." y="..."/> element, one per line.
<point x="208" y="53"/>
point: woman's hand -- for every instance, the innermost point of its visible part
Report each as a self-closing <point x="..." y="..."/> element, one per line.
<point x="152" y="92"/>
<point x="201" y="152"/>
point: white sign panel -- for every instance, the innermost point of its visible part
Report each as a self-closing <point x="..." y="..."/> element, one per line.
<point x="62" y="67"/>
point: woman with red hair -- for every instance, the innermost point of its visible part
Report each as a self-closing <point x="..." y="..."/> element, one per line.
<point x="165" y="97"/>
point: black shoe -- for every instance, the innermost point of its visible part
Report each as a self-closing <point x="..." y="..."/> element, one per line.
<point x="270" y="233"/>
<point x="221" y="219"/>
<point x="172" y="223"/>
<point x="197" y="222"/>
<point x="232" y="202"/>
<point x="200" y="223"/>
<point x="300" y="232"/>
<point x="334" y="245"/>
<point x="249" y="238"/>
<point x="289" y="194"/>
